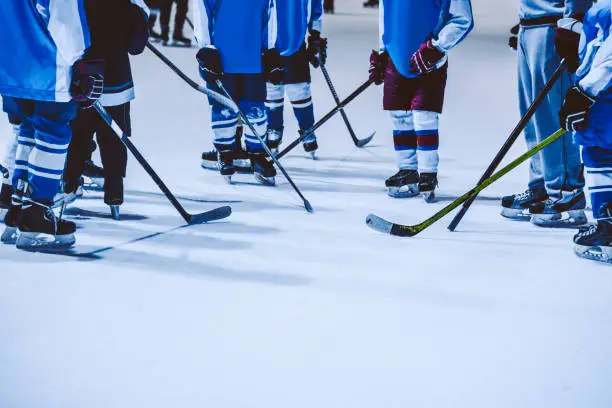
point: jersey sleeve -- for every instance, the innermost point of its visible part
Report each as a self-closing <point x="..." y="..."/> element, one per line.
<point x="316" y="16"/>
<point x="202" y="24"/>
<point x="457" y="26"/>
<point x="599" y="78"/>
<point x="576" y="8"/>
<point x="270" y="26"/>
<point x="68" y="28"/>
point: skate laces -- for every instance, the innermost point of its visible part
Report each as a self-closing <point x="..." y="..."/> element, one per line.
<point x="588" y="231"/>
<point x="524" y="195"/>
<point x="48" y="211"/>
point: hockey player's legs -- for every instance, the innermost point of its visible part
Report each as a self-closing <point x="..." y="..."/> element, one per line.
<point x="83" y="128"/>
<point x="275" y="103"/>
<point x="114" y="154"/>
<point x="560" y="164"/>
<point x="182" y="7"/>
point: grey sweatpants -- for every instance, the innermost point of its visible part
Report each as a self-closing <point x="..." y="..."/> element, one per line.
<point x="557" y="167"/>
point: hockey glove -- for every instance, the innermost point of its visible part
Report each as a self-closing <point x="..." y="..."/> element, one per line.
<point x="513" y="40"/>
<point x="378" y="65"/>
<point x="317" y="49"/>
<point x="574" y="113"/>
<point x="209" y="60"/>
<point x="425" y="58"/>
<point x="87" y="81"/>
<point x="567" y="43"/>
<point x="274" y="69"/>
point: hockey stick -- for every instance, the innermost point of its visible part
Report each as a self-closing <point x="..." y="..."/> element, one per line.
<point x="324" y="119"/>
<point x="510" y="141"/>
<point x="358" y="142"/>
<point x="212" y="94"/>
<point x="189" y="22"/>
<point x="246" y="121"/>
<point x="381" y="225"/>
<point x="191" y="219"/>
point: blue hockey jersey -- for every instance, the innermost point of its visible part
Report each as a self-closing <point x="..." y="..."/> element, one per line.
<point x="41" y="40"/>
<point x="241" y="30"/>
<point x="406" y="24"/>
<point x="295" y="18"/>
<point x="595" y="73"/>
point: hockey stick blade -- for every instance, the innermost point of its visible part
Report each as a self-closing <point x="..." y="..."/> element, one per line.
<point x="209" y="216"/>
<point x="363" y="142"/>
<point x="381" y="225"/>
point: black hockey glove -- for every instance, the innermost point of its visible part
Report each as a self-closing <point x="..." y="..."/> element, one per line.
<point x="209" y="60"/>
<point x="274" y="69"/>
<point x="574" y="113"/>
<point x="87" y="81"/>
<point x="567" y="43"/>
<point x="317" y="49"/>
<point x="513" y="40"/>
<point x="378" y="65"/>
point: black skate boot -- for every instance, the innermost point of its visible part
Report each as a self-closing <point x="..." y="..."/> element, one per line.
<point x="95" y="174"/>
<point x="595" y="242"/>
<point x="11" y="220"/>
<point x="371" y="3"/>
<point x="6" y="191"/>
<point x="178" y="40"/>
<point x="427" y="186"/>
<point x="40" y="228"/>
<point x="567" y="211"/>
<point x="403" y="184"/>
<point x="263" y="169"/>
<point x="226" y="165"/>
<point x="516" y="206"/>
<point x="113" y="195"/>
<point x="311" y="147"/>
<point x="210" y="160"/>
<point x="274" y="139"/>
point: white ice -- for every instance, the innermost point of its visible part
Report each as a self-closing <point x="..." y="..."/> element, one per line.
<point x="277" y="308"/>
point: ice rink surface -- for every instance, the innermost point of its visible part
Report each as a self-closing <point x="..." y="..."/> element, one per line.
<point x="277" y="308"/>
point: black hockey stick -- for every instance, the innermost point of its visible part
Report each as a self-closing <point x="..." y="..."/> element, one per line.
<point x="324" y="119"/>
<point x="510" y="141"/>
<point x="214" y="95"/>
<point x="358" y="142"/>
<point x="247" y="122"/>
<point x="191" y="219"/>
<point x="189" y="22"/>
<point x="381" y="225"/>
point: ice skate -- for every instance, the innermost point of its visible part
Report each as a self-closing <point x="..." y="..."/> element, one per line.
<point x="69" y="193"/>
<point x="274" y="139"/>
<point x="95" y="174"/>
<point x="210" y="161"/>
<point x="155" y="36"/>
<point x="226" y="165"/>
<point x="311" y="147"/>
<point x="11" y="221"/>
<point x="427" y="186"/>
<point x="516" y="206"/>
<point x="568" y="211"/>
<point x="595" y="242"/>
<point x="113" y="195"/>
<point x="263" y="169"/>
<point x="180" y="41"/>
<point x="403" y="184"/>
<point x="371" y="4"/>
<point x="6" y="191"/>
<point x="40" y="228"/>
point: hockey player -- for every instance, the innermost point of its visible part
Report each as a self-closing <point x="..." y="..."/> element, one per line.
<point x="415" y="38"/>
<point x="182" y="7"/>
<point x="587" y="110"/>
<point x="114" y="43"/>
<point x="154" y="11"/>
<point x="554" y="196"/>
<point x="42" y="86"/>
<point x="236" y="41"/>
<point x="296" y="18"/>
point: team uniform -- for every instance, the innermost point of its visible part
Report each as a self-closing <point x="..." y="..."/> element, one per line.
<point x="554" y="197"/>
<point x="114" y="43"/>
<point x="416" y="36"/>
<point x="588" y="110"/>
<point x="295" y="19"/>
<point x="234" y="38"/>
<point x="43" y="43"/>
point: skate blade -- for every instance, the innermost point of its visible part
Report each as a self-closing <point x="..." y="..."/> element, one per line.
<point x="115" y="211"/>
<point x="429" y="196"/>
<point x="594" y="253"/>
<point x="210" y="165"/>
<point x="266" y="181"/>
<point x="9" y="236"/>
<point x="566" y="219"/>
<point x="516" y="214"/>
<point x="406" y="191"/>
<point x="37" y="240"/>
